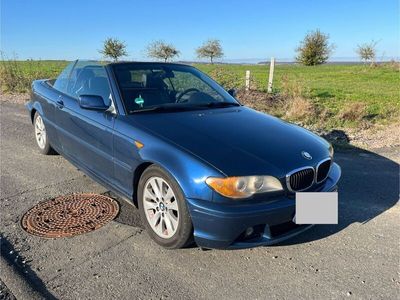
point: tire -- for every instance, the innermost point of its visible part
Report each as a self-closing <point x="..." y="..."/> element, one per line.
<point x="174" y="229"/>
<point x="42" y="140"/>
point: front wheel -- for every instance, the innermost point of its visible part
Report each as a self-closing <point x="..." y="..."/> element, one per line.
<point x="41" y="135"/>
<point x="163" y="209"/>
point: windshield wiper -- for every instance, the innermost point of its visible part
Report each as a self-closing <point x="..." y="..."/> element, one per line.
<point x="220" y="104"/>
<point x="154" y="108"/>
<point x="162" y="108"/>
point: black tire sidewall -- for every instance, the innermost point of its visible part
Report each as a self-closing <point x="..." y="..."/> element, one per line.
<point x="185" y="228"/>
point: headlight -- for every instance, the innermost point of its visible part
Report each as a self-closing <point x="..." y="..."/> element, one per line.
<point x="244" y="187"/>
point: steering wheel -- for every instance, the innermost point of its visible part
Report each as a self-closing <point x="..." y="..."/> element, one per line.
<point x="191" y="90"/>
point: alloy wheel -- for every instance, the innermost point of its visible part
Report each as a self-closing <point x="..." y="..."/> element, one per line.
<point x="40" y="132"/>
<point x="161" y="207"/>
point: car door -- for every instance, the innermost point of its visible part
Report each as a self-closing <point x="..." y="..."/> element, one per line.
<point x="87" y="135"/>
<point x="51" y="101"/>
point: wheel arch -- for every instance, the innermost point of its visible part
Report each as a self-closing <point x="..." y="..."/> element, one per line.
<point x="36" y="107"/>
<point x="33" y="111"/>
<point x="136" y="177"/>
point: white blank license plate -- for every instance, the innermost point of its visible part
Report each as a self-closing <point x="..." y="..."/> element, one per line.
<point x="316" y="208"/>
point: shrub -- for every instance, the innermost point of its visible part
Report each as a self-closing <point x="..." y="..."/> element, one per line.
<point x="394" y="65"/>
<point x="314" y="49"/>
<point x="354" y="111"/>
<point x="293" y="88"/>
<point x="300" y="109"/>
<point x="11" y="77"/>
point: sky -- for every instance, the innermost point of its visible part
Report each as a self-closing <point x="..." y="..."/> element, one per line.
<point x="248" y="30"/>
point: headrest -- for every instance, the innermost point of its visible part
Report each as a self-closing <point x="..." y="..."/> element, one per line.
<point x="154" y="82"/>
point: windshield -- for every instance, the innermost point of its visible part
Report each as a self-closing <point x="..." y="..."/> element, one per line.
<point x="149" y="86"/>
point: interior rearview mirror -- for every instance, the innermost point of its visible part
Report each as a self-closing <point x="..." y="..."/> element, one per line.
<point x="93" y="102"/>
<point x="232" y="92"/>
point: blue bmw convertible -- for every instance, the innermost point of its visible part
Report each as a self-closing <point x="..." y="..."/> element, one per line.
<point x="196" y="162"/>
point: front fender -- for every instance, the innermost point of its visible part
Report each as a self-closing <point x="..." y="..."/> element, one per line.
<point x="186" y="169"/>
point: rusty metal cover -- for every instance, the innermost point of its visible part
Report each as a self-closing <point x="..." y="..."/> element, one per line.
<point x="69" y="215"/>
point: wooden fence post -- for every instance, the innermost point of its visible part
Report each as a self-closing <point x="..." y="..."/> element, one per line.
<point x="247" y="80"/>
<point x="271" y="74"/>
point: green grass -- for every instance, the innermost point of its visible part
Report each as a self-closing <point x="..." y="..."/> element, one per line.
<point x="331" y="88"/>
<point x="17" y="76"/>
<point x="48" y="67"/>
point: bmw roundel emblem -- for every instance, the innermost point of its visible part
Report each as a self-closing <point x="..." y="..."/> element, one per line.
<point x="306" y="155"/>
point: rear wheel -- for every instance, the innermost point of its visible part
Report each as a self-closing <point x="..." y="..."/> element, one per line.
<point x="163" y="209"/>
<point x="41" y="135"/>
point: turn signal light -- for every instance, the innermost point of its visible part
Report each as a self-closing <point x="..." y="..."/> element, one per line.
<point x="139" y="145"/>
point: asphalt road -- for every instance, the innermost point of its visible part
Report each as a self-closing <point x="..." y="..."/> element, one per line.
<point x="359" y="258"/>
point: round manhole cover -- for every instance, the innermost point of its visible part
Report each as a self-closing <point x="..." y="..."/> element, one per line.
<point x="69" y="215"/>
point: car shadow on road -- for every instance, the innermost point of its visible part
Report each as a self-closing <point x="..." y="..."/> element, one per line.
<point x="128" y="213"/>
<point x="369" y="186"/>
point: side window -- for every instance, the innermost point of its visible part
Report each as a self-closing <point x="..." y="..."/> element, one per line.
<point x="61" y="82"/>
<point x="88" y="78"/>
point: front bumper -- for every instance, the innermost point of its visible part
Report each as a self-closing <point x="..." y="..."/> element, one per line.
<point x="223" y="226"/>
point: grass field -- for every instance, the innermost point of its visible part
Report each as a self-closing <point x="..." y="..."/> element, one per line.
<point x="346" y="95"/>
<point x="17" y="76"/>
<point x="332" y="86"/>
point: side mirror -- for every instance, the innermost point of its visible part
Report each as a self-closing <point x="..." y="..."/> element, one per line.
<point x="93" y="102"/>
<point x="232" y="92"/>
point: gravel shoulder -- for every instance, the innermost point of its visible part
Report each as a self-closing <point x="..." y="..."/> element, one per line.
<point x="5" y="293"/>
<point x="357" y="258"/>
<point x="14" y="98"/>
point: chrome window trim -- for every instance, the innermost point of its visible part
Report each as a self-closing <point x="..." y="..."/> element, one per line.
<point x="297" y="170"/>
<point x="317" y="168"/>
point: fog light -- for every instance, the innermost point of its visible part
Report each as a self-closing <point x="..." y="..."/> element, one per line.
<point x="249" y="231"/>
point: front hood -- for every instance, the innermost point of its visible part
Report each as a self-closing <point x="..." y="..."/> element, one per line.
<point x="238" y="141"/>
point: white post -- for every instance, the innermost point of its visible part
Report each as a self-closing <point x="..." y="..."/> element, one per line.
<point x="271" y="74"/>
<point x="247" y="80"/>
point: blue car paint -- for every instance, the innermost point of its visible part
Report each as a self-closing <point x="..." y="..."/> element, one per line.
<point x="248" y="142"/>
<point x="216" y="225"/>
<point x="186" y="169"/>
<point x="191" y="146"/>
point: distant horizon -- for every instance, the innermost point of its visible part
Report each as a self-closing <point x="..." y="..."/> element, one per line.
<point x="250" y="61"/>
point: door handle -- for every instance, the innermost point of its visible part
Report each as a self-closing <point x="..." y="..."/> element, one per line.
<point x="60" y="102"/>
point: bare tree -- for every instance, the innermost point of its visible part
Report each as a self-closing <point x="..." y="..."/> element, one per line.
<point x="162" y="50"/>
<point x="367" y="52"/>
<point x="113" y="48"/>
<point x="210" y="49"/>
<point x="314" y="49"/>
